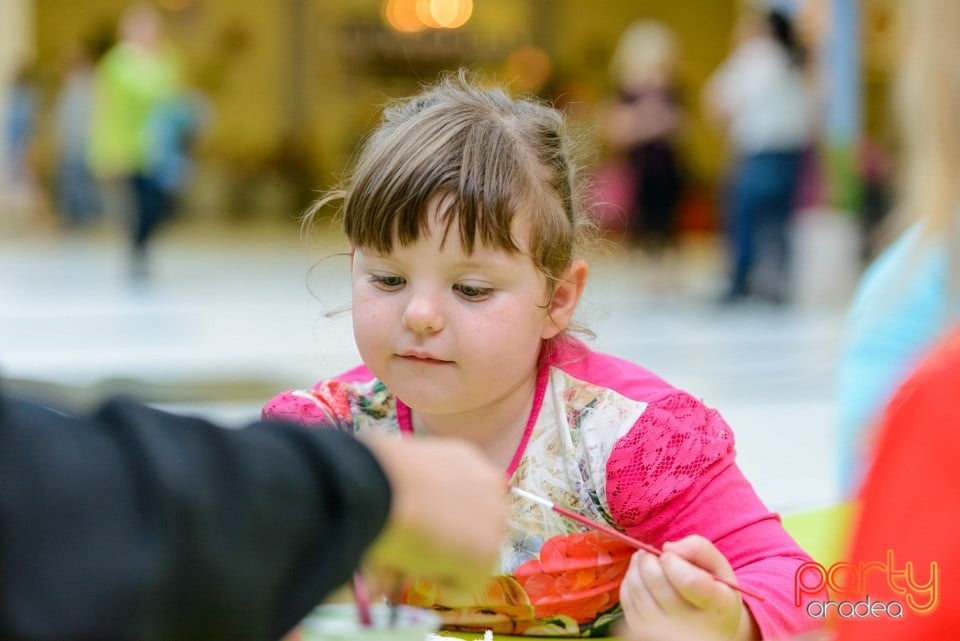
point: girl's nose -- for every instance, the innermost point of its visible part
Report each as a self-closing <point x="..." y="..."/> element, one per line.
<point x="422" y="314"/>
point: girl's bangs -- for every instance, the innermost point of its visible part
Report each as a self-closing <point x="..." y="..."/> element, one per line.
<point x="480" y="192"/>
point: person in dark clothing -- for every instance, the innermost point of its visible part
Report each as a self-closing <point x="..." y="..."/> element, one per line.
<point x="135" y="524"/>
<point x="643" y="125"/>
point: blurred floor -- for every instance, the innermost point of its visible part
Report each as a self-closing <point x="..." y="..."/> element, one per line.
<point x="229" y="320"/>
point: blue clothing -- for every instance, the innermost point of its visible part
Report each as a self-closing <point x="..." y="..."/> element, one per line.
<point x="171" y="130"/>
<point x="899" y="310"/>
<point x="20" y="125"/>
<point x="78" y="194"/>
<point x="77" y="189"/>
<point x="74" y="114"/>
<point x="762" y="194"/>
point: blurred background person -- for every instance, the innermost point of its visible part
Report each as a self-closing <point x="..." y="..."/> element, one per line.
<point x="759" y="95"/>
<point x="172" y="133"/>
<point x="915" y="474"/>
<point x="875" y="171"/>
<point x="18" y="179"/>
<point x="900" y="421"/>
<point x="642" y="125"/>
<point x="911" y="504"/>
<point x="78" y="195"/>
<point x="132" y="79"/>
<point x="910" y="296"/>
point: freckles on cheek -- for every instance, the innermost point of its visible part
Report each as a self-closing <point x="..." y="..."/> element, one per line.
<point x="516" y="317"/>
<point x="506" y="327"/>
<point x="363" y="304"/>
<point x="368" y="321"/>
<point x="363" y="314"/>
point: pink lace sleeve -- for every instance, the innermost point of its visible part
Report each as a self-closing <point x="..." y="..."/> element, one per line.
<point x="674" y="475"/>
<point x="326" y="405"/>
<point x="675" y="448"/>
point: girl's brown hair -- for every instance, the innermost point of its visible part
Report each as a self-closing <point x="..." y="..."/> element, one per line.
<point x="485" y="156"/>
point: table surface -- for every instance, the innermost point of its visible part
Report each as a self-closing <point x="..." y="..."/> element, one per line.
<point x="478" y="636"/>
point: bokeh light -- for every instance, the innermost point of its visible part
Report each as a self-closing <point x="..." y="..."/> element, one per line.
<point x="450" y="14"/>
<point x="529" y="68"/>
<point x="410" y="16"/>
<point x="425" y="16"/>
<point x="402" y="16"/>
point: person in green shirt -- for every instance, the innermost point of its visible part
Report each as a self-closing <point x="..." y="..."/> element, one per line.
<point x="135" y="76"/>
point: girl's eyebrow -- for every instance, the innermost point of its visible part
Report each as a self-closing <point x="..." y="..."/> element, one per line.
<point x="497" y="264"/>
<point x="374" y="255"/>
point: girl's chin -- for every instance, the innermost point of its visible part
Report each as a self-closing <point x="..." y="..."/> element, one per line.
<point x="426" y="403"/>
<point x="429" y="406"/>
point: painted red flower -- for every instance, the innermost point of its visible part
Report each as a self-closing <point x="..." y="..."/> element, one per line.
<point x="577" y="575"/>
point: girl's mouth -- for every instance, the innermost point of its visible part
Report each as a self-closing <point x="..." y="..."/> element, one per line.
<point x="425" y="359"/>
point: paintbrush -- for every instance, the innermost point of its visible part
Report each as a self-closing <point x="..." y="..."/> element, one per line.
<point x="362" y="597"/>
<point x="640" y="545"/>
<point x="393" y="601"/>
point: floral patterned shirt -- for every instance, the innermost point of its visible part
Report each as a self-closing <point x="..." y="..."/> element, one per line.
<point x="617" y="444"/>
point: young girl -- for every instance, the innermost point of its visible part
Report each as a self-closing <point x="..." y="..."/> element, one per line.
<point x="464" y="224"/>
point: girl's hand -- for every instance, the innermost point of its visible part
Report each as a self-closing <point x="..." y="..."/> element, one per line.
<point x="675" y="596"/>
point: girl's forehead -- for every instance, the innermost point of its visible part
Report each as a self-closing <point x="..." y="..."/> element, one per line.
<point x="442" y="243"/>
<point x="442" y="228"/>
<point x="448" y="248"/>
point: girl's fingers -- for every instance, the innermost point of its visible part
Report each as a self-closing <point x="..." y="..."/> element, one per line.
<point x="670" y="597"/>
<point x="660" y="587"/>
<point x="694" y="585"/>
<point x="690" y="564"/>
<point x="703" y="554"/>
<point x="638" y="604"/>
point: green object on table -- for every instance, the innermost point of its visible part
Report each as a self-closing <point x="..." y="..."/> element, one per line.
<point x="822" y="532"/>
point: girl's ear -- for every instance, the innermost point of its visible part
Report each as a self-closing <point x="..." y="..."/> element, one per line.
<point x="565" y="298"/>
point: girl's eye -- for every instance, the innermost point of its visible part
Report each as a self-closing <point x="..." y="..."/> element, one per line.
<point x="387" y="282"/>
<point x="471" y="292"/>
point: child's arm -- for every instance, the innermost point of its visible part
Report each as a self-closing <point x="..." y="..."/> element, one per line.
<point x="326" y="405"/>
<point x="765" y="559"/>
<point x="692" y="486"/>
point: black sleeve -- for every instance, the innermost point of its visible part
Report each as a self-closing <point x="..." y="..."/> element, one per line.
<point x="136" y="524"/>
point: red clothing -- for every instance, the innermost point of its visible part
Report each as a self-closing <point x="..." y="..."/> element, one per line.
<point x="911" y="507"/>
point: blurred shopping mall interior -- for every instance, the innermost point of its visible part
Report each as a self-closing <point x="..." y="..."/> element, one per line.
<point x="239" y="304"/>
